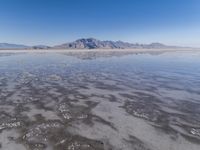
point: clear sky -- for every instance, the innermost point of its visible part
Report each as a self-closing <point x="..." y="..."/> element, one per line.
<point x="51" y="22"/>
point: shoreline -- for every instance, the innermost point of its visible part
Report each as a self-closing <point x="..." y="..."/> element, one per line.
<point x="94" y="50"/>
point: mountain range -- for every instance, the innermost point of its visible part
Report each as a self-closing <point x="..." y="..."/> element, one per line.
<point x="12" y="46"/>
<point x="89" y="43"/>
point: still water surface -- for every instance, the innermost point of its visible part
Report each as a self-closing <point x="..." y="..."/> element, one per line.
<point x="100" y="100"/>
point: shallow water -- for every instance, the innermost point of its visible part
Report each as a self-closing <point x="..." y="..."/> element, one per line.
<point x="100" y="100"/>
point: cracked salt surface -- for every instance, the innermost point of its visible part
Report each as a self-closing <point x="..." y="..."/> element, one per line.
<point x="99" y="101"/>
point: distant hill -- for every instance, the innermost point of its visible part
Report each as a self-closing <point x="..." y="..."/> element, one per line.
<point x="91" y="43"/>
<point x="19" y="46"/>
<point x="40" y="47"/>
<point x="12" y="46"/>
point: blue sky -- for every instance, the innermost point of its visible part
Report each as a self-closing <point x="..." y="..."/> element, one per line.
<point x="51" y="22"/>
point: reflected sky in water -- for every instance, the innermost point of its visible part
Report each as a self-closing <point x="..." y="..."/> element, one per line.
<point x="89" y="96"/>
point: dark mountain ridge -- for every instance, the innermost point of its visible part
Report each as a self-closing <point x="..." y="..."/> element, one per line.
<point x="89" y="43"/>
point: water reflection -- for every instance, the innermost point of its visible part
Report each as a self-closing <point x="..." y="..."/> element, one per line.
<point x="100" y="100"/>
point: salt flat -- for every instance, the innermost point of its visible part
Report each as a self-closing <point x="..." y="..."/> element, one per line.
<point x="100" y="99"/>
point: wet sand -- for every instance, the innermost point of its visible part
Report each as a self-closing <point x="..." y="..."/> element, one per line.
<point x="99" y="101"/>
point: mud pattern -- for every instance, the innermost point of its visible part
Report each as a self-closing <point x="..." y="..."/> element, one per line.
<point x="99" y="101"/>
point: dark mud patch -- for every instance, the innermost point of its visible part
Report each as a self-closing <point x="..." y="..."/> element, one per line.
<point x="164" y="121"/>
<point x="53" y="134"/>
<point x="137" y="144"/>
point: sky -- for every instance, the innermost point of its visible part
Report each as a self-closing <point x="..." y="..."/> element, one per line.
<point x="53" y="22"/>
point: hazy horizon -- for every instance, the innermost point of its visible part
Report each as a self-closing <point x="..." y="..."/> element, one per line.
<point x="172" y="22"/>
<point x="74" y="40"/>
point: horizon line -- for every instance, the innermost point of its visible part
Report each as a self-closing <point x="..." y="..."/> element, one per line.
<point x="52" y="45"/>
